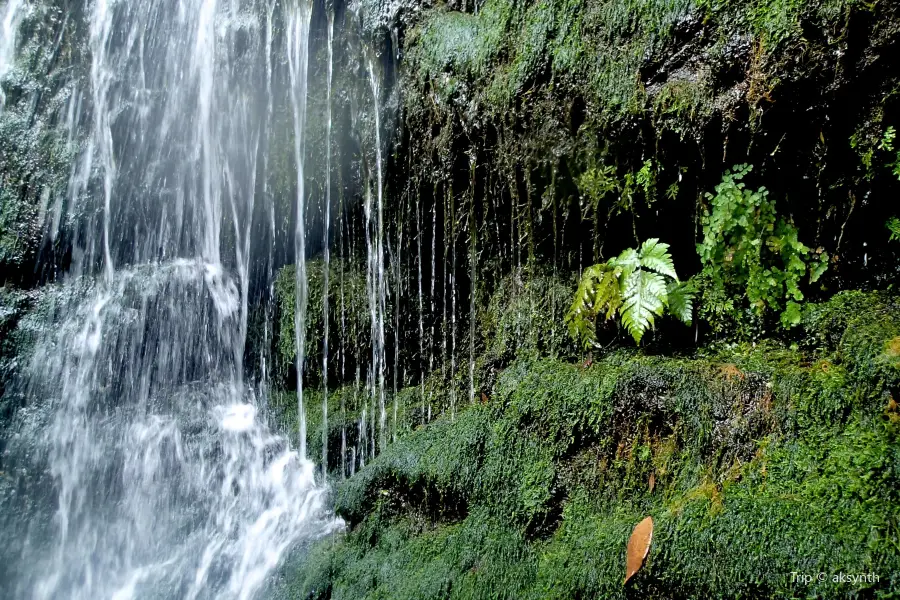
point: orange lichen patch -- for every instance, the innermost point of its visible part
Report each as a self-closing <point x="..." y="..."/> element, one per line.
<point x="708" y="491"/>
<point x="892" y="347"/>
<point x="823" y="365"/>
<point x="638" y="547"/>
<point x="730" y="371"/>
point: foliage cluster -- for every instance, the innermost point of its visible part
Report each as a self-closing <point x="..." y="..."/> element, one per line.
<point x="599" y="181"/>
<point x="748" y="251"/>
<point x="887" y="144"/>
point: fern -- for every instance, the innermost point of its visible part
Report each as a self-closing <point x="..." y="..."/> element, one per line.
<point x="655" y="256"/>
<point x="644" y="298"/>
<point x="893" y="226"/>
<point x="639" y="285"/>
<point x="749" y="252"/>
<point x="681" y="301"/>
<point x="597" y="293"/>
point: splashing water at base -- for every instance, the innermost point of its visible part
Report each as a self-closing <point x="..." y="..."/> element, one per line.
<point x="162" y="483"/>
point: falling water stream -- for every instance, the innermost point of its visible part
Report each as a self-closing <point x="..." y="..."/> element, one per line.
<point x="10" y="16"/>
<point x="146" y="469"/>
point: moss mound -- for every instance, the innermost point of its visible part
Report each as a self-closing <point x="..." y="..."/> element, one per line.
<point x="760" y="464"/>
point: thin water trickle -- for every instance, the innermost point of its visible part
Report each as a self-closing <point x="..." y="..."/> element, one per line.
<point x="326" y="290"/>
<point x="298" y="19"/>
<point x="376" y="272"/>
<point x="421" y="360"/>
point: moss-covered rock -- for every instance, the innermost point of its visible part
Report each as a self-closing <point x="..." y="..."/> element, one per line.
<point x="758" y="463"/>
<point x="348" y="322"/>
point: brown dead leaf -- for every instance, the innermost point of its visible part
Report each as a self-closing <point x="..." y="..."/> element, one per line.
<point x="638" y="547"/>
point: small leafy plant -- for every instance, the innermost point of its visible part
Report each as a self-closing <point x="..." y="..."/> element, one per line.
<point x="893" y="226"/>
<point x="887" y="143"/>
<point x="638" y="285"/>
<point x="749" y="251"/>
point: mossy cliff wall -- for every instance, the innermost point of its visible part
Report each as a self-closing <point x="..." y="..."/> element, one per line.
<point x="536" y="138"/>
<point x="755" y="463"/>
<point x="574" y="129"/>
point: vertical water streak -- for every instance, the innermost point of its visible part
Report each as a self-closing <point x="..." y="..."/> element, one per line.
<point x="101" y="79"/>
<point x="421" y="361"/>
<point x="447" y="275"/>
<point x="12" y="13"/>
<point x="473" y="273"/>
<point x="398" y="261"/>
<point x="453" y="295"/>
<point x="207" y="143"/>
<point x="268" y="197"/>
<point x="326" y="244"/>
<point x="241" y="196"/>
<point x="372" y="297"/>
<point x="298" y="61"/>
<point x="380" y="297"/>
<point x="431" y="338"/>
<point x="343" y="336"/>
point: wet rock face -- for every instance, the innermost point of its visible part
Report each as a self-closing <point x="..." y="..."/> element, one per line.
<point x="531" y="97"/>
<point x="41" y="78"/>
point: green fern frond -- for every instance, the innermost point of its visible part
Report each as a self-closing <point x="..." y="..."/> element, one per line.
<point x="628" y="261"/>
<point x="681" y="301"/>
<point x="654" y="255"/>
<point x="598" y="293"/>
<point x="644" y="298"/>
<point x="893" y="226"/>
<point x="638" y="284"/>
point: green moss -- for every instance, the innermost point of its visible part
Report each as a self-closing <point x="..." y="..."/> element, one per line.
<point x="459" y="43"/>
<point x="525" y="316"/>
<point x="348" y="317"/>
<point x="756" y="462"/>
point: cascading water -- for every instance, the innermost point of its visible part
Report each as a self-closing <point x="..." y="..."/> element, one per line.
<point x="376" y="273"/>
<point x="326" y="241"/>
<point x="144" y="466"/>
<point x="10" y="16"/>
<point x="298" y="60"/>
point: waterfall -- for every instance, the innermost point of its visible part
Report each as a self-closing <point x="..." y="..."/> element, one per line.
<point x="326" y="243"/>
<point x="142" y="462"/>
<point x="12" y="13"/>
<point x="376" y="273"/>
<point x="298" y="59"/>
